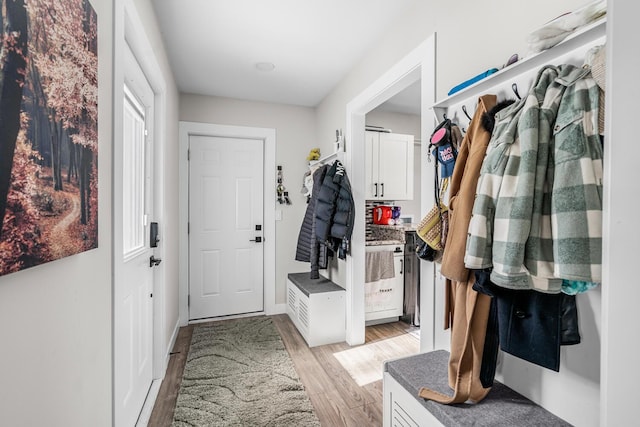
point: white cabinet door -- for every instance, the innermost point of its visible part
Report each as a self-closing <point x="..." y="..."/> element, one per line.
<point x="372" y="140"/>
<point x="389" y="166"/>
<point x="395" y="166"/>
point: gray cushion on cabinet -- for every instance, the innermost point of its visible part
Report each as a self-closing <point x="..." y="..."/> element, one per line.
<point x="502" y="406"/>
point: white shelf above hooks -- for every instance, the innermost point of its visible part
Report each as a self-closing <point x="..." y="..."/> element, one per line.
<point x="520" y="72"/>
<point x="337" y="155"/>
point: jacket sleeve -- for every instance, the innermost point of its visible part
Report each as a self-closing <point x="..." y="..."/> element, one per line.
<point x="319" y="252"/>
<point x="521" y="256"/>
<point x="479" y="250"/>
<point x="344" y="217"/>
<point x="577" y="190"/>
<point x="326" y="205"/>
<point x="462" y="191"/>
<point x="306" y="250"/>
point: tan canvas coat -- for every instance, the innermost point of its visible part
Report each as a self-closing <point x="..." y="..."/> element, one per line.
<point x="462" y="191"/>
<point x="466" y="311"/>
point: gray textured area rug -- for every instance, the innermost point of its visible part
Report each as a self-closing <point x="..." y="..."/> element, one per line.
<point x="238" y="373"/>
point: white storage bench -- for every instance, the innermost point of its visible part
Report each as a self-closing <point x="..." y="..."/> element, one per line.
<point x="317" y="308"/>
<point x="403" y="378"/>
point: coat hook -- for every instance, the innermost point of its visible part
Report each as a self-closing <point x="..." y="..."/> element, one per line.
<point x="464" y="110"/>
<point x="514" y="88"/>
<point x="444" y="116"/>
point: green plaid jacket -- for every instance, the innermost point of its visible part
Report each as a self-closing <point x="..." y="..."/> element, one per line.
<point x="512" y="229"/>
<point x="575" y="174"/>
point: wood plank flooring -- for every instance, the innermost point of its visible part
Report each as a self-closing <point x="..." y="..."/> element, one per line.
<point x="343" y="382"/>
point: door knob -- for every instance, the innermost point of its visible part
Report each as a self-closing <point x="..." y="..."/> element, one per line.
<point x="153" y="261"/>
<point x="258" y="239"/>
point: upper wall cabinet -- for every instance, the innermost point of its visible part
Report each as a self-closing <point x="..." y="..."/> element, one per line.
<point x="389" y="166"/>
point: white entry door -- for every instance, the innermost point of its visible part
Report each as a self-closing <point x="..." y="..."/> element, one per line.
<point x="226" y="251"/>
<point x="134" y="276"/>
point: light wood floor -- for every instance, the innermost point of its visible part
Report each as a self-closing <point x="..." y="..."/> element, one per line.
<point x="343" y="382"/>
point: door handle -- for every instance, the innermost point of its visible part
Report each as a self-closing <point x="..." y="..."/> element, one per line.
<point x="153" y="261"/>
<point x="401" y="266"/>
<point x="258" y="239"/>
<point x="153" y="237"/>
<point x="382" y="190"/>
<point x="376" y="194"/>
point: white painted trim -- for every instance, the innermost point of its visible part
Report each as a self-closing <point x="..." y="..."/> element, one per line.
<point x="149" y="403"/>
<point x="230" y="317"/>
<point x="621" y="233"/>
<point x="268" y="135"/>
<point x="140" y="45"/>
<point x="129" y="30"/>
<point x="418" y="64"/>
<point x="172" y="343"/>
<point x="279" y="309"/>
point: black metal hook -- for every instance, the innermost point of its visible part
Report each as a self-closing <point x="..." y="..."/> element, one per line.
<point x="464" y="110"/>
<point x="444" y="116"/>
<point x="514" y="88"/>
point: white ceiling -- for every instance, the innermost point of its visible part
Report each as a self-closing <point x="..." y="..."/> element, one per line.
<point x="213" y="45"/>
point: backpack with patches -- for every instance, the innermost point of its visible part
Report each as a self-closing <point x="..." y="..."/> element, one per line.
<point x="433" y="227"/>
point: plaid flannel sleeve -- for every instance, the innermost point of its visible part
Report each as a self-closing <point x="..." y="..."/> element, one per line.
<point x="514" y="205"/>
<point x="479" y="250"/>
<point x="539" y="259"/>
<point x="576" y="207"/>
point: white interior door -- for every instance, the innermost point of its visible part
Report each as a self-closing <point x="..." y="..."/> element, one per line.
<point x="133" y="320"/>
<point x="226" y="209"/>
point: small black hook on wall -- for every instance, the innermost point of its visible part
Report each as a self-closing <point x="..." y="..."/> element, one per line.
<point x="514" y="88"/>
<point x="464" y="110"/>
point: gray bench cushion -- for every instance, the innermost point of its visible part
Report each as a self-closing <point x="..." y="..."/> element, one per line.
<point x="313" y="286"/>
<point x="502" y="406"/>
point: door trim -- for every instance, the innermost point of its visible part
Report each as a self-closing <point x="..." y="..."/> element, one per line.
<point x="268" y="136"/>
<point x="129" y="29"/>
<point x="417" y="64"/>
<point x="140" y="45"/>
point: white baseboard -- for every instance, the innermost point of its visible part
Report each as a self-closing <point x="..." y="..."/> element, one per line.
<point x="152" y="395"/>
<point x="277" y="309"/>
<point x="149" y="403"/>
<point x="172" y="343"/>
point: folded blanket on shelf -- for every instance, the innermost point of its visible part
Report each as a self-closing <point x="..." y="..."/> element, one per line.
<point x="556" y="30"/>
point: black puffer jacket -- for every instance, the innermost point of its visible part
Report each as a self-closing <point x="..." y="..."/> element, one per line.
<point x="335" y="210"/>
<point x="308" y="248"/>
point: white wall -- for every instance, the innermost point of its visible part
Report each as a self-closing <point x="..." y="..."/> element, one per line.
<point x="56" y="363"/>
<point x="470" y="39"/>
<point x="295" y="136"/>
<point x="55" y="319"/>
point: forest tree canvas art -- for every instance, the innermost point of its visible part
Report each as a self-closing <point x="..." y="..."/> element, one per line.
<point x="48" y="131"/>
